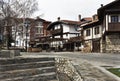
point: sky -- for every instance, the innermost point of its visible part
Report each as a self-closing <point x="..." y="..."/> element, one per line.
<point x="68" y="9"/>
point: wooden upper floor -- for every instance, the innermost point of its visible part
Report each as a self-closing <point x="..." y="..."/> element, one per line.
<point x="115" y="27"/>
<point x="61" y="27"/>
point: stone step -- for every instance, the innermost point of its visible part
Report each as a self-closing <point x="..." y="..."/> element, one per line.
<point x="40" y="77"/>
<point x="4" y="61"/>
<point x="26" y="72"/>
<point x="29" y="65"/>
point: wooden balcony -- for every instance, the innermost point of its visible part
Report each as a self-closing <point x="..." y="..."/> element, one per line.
<point x="114" y="27"/>
<point x="76" y="39"/>
<point x="56" y="32"/>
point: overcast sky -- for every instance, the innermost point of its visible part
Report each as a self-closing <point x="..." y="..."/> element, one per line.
<point x="68" y="9"/>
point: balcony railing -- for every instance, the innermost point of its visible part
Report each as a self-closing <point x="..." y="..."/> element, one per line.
<point x="114" y="27"/>
<point x="55" y="32"/>
<point x="76" y="39"/>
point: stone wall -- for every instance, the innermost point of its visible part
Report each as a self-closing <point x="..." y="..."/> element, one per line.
<point x="113" y="43"/>
<point x="65" y="66"/>
<point x="9" y="53"/>
<point x="87" y="46"/>
<point x="102" y="46"/>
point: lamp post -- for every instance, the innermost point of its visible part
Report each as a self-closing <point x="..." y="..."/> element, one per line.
<point x="26" y="26"/>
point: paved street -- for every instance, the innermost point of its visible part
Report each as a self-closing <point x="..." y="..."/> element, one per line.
<point x="87" y="64"/>
<point x="94" y="58"/>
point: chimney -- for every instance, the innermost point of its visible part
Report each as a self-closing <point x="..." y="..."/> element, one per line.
<point x="94" y="17"/>
<point x="58" y="18"/>
<point x="101" y="5"/>
<point x="79" y="17"/>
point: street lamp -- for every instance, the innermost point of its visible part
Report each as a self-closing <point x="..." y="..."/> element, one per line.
<point x="26" y="24"/>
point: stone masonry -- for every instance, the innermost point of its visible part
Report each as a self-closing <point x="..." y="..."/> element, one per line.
<point x="113" y="43"/>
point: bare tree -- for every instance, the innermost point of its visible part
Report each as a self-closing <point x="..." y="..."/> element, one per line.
<point x="13" y="9"/>
<point x="18" y="8"/>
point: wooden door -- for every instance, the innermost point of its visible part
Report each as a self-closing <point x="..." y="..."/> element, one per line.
<point x="96" y="46"/>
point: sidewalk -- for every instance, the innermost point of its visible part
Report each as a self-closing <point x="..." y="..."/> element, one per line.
<point x="93" y="73"/>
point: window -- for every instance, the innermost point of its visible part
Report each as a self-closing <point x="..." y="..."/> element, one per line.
<point x="39" y="30"/>
<point x="88" y="32"/>
<point x="27" y="34"/>
<point x="19" y="33"/>
<point x="40" y="23"/>
<point x="57" y="27"/>
<point x="114" y="18"/>
<point x="76" y="28"/>
<point x="66" y="34"/>
<point x="96" y="30"/>
<point x="17" y="42"/>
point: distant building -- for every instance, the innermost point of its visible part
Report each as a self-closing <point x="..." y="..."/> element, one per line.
<point x="28" y="31"/>
<point x="39" y="34"/>
<point x="21" y="31"/>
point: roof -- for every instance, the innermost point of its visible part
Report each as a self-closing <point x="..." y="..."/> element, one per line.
<point x="91" y="24"/>
<point x="70" y="22"/>
<point x="101" y="10"/>
<point x="110" y="4"/>
<point x="40" y="19"/>
<point x="86" y="19"/>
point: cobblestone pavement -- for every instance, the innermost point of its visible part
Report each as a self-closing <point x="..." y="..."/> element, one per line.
<point x="88" y="65"/>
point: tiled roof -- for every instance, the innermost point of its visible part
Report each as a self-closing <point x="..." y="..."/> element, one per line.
<point x="86" y="19"/>
<point x="91" y="24"/>
<point x="63" y="22"/>
<point x="71" y="22"/>
<point x="43" y="20"/>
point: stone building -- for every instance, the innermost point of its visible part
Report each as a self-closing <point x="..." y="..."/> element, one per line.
<point x="103" y="33"/>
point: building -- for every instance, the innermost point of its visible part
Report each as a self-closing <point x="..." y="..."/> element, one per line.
<point x="92" y="34"/>
<point x="103" y="33"/>
<point x="39" y="34"/>
<point x="62" y="32"/>
<point x="27" y="32"/>
<point x="21" y="32"/>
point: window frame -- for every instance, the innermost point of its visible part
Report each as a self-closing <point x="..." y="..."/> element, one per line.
<point x="88" y="32"/>
<point x="39" y="30"/>
<point x="97" y="30"/>
<point x="114" y="18"/>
